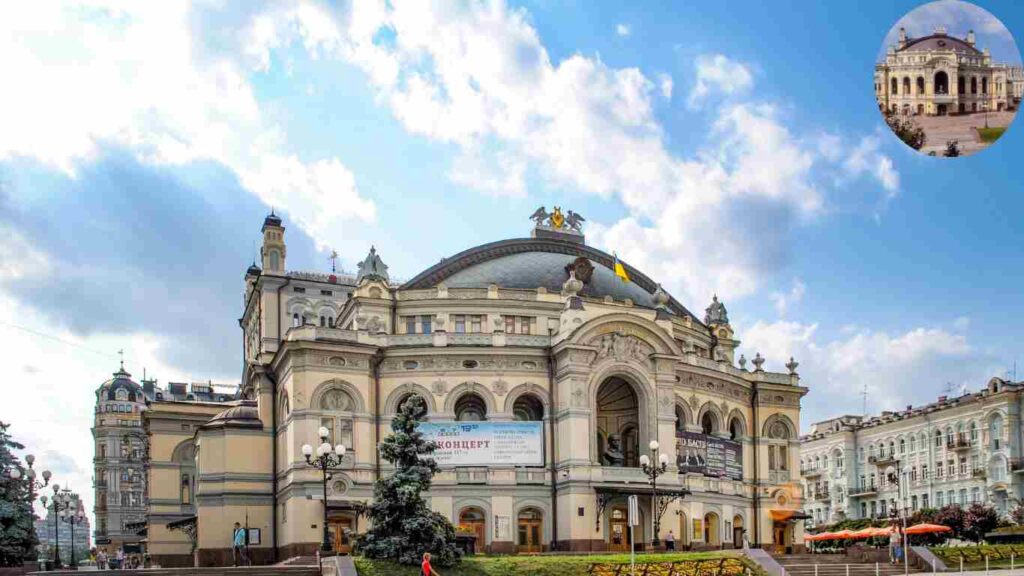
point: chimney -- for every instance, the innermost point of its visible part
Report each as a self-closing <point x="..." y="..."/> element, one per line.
<point x="903" y="37"/>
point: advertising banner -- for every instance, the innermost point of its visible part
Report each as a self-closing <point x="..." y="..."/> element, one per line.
<point x="486" y="443"/>
<point x="709" y="455"/>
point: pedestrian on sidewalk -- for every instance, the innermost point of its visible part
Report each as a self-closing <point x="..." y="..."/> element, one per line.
<point x="670" y="542"/>
<point x="238" y="546"/>
<point x="426" y="569"/>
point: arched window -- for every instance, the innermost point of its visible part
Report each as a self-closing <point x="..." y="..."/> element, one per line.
<point x="527" y="408"/>
<point x="121" y="394"/>
<point x="709" y="423"/>
<point x="974" y="432"/>
<point x="984" y="85"/>
<point x="275" y="260"/>
<point x="938" y="438"/>
<point x="995" y="431"/>
<point x="961" y="85"/>
<point x="903" y="446"/>
<point x="337" y="406"/>
<point x="913" y="443"/>
<point x="974" y="84"/>
<point x="894" y="86"/>
<point x="323" y="321"/>
<point x="736" y="431"/>
<point x="906" y="86"/>
<point x="941" y="82"/>
<point x="680" y="421"/>
<point x="920" y="85"/>
<point x="778" y="434"/>
<point x="470" y="408"/>
<point x="422" y="412"/>
<point x="296" y="321"/>
<point x="949" y="437"/>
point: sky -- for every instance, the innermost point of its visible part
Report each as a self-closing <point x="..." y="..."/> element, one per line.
<point x="728" y="149"/>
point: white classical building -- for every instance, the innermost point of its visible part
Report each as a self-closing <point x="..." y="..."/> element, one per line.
<point x="958" y="450"/>
<point x="939" y="74"/>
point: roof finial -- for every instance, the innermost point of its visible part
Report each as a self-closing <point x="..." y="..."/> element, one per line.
<point x="334" y="261"/>
<point x="121" y="354"/>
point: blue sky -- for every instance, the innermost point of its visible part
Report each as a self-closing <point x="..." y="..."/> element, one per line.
<point x="724" y="148"/>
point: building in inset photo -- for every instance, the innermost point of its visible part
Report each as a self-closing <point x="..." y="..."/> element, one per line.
<point x="946" y="84"/>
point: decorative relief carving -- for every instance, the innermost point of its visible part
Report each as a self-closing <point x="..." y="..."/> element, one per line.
<point x="439" y="388"/>
<point x="500" y="387"/>
<point x="579" y="395"/>
<point x="299" y="399"/>
<point x="694" y="401"/>
<point x="622" y="346"/>
<point x="336" y="361"/>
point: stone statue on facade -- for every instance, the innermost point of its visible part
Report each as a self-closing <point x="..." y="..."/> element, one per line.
<point x="613" y="452"/>
<point x="372" y="267"/>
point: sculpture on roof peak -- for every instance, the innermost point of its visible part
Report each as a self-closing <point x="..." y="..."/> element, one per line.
<point x="716" y="312"/>
<point x="557" y="220"/>
<point x="372" y="268"/>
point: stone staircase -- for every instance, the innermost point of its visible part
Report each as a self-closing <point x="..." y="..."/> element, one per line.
<point x="836" y="565"/>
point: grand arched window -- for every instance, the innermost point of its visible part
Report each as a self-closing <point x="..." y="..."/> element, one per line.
<point x="920" y="86"/>
<point x="974" y="84"/>
<point x="709" y="423"/>
<point x="906" y="86"/>
<point x="736" y="431"/>
<point x="894" y="86"/>
<point x="961" y="85"/>
<point x="337" y="407"/>
<point x="984" y="85"/>
<point x="470" y="408"/>
<point x="778" y="434"/>
<point x="941" y="82"/>
<point x="527" y="408"/>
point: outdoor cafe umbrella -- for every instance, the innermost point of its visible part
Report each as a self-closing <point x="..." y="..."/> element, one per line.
<point x="868" y="532"/>
<point x="927" y="529"/>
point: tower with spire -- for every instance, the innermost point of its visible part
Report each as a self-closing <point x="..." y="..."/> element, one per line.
<point x="273" y="251"/>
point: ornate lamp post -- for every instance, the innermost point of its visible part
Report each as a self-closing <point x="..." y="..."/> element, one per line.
<point x="73" y="516"/>
<point x="895" y="478"/>
<point x="30" y="477"/>
<point x="327" y="457"/>
<point x="653" y="471"/>
<point x="61" y="501"/>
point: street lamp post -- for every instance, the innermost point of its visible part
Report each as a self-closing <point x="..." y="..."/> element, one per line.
<point x="30" y="477"/>
<point x="61" y="501"/>
<point x="73" y="517"/>
<point x="901" y="511"/>
<point x="327" y="457"/>
<point x="652" y="471"/>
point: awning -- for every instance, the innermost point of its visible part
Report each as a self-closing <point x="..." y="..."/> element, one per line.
<point x="783" y="515"/>
<point x="639" y="489"/>
<point x="179" y="524"/>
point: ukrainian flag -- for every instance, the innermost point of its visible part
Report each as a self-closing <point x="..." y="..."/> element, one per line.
<point x="620" y="270"/>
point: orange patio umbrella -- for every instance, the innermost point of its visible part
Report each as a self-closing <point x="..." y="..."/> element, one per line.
<point x="927" y="529"/>
<point x="822" y="536"/>
<point x="880" y="531"/>
<point x="863" y="533"/>
<point x="842" y="534"/>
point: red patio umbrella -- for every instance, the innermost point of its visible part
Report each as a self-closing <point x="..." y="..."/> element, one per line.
<point x="927" y="529"/>
<point x="863" y="533"/>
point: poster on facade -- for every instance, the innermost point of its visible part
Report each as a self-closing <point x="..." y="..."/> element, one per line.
<point x="709" y="455"/>
<point x="486" y="443"/>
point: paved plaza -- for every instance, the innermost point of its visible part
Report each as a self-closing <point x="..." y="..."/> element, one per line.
<point x="941" y="129"/>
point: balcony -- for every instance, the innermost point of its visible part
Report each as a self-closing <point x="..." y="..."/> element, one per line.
<point x="811" y="472"/>
<point x="1017" y="465"/>
<point x="958" y="444"/>
<point x="882" y="459"/>
<point x="822" y="497"/>
<point x="865" y="490"/>
<point x="979" y="474"/>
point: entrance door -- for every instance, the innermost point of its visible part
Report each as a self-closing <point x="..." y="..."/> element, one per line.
<point x="529" y="531"/>
<point x="942" y="109"/>
<point x="779" y="537"/>
<point x="618" y="536"/>
<point x="473" y="520"/>
<point x="339" y="532"/>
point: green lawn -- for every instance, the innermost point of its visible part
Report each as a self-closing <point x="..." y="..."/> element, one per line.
<point x="989" y="135"/>
<point x="533" y="565"/>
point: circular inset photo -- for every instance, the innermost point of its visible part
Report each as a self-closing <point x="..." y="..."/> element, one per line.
<point x="949" y="79"/>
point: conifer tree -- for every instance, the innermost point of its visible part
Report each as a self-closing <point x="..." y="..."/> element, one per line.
<point x="17" y="530"/>
<point x="404" y="527"/>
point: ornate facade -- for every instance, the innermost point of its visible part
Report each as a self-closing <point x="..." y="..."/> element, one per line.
<point x="538" y="329"/>
<point x="958" y="450"/>
<point x="939" y="74"/>
<point x="121" y="457"/>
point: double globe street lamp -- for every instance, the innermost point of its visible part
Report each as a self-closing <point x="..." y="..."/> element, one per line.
<point x="30" y="477"/>
<point x="72" y="517"/>
<point x="327" y="457"/>
<point x="653" y="471"/>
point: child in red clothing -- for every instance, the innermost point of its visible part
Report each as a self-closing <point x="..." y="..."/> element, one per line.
<point x="426" y="569"/>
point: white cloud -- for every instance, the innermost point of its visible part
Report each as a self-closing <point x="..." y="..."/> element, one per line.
<point x="718" y="75"/>
<point x="622" y="30"/>
<point x="783" y="301"/>
<point x="665" y="84"/>
<point x="865" y="158"/>
<point x="133" y="75"/>
<point x="897" y="369"/>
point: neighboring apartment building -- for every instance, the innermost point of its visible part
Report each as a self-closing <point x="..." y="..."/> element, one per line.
<point x="958" y="450"/>
<point x="122" y="450"/>
<point x="60" y="536"/>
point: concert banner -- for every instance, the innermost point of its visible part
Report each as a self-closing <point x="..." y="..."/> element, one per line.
<point x="709" y="455"/>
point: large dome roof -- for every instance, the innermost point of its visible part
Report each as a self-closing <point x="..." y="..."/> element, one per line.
<point x="940" y="42"/>
<point x="244" y="414"/>
<point x="530" y="263"/>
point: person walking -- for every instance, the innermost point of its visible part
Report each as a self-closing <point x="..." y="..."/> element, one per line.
<point x="670" y="542"/>
<point x="120" y="558"/>
<point x="238" y="545"/>
<point x="101" y="560"/>
<point x="426" y="569"/>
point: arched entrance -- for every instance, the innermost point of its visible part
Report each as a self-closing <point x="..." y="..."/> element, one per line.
<point x="619" y="538"/>
<point x="618" y="423"/>
<point x="684" y="531"/>
<point x="473" y="520"/>
<point x="712" y="531"/>
<point x="737" y="531"/>
<point x="530" y="530"/>
<point x="941" y="82"/>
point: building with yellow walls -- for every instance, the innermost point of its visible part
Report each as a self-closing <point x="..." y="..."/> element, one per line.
<point x="548" y="367"/>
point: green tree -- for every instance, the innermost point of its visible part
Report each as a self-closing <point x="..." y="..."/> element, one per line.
<point x="978" y="521"/>
<point x="17" y="532"/>
<point x="906" y="129"/>
<point x="404" y="527"/>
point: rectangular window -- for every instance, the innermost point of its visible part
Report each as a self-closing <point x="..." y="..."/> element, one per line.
<point x="426" y="322"/>
<point x="783" y="458"/>
<point x="329" y="424"/>
<point x="510" y="324"/>
<point x="326" y="293"/>
<point x="524" y="325"/>
<point x="299" y="289"/>
<point x="460" y="323"/>
<point x="771" y="458"/>
<point x="963" y="465"/>
<point x="476" y="323"/>
<point x="410" y="324"/>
